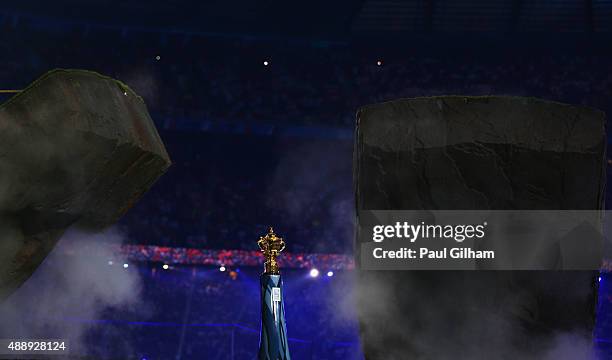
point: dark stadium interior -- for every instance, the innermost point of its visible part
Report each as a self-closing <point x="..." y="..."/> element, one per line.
<point x="256" y="103"/>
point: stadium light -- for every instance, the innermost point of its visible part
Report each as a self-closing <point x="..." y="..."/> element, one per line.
<point x="125" y="266"/>
<point x="110" y="262"/>
<point x="379" y="62"/>
<point x="314" y="273"/>
<point x="266" y="63"/>
<point x="222" y="268"/>
<point x="330" y="273"/>
<point x="165" y="267"/>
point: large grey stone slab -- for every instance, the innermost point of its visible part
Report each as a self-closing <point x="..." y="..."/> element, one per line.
<point x="78" y="148"/>
<point x="463" y="153"/>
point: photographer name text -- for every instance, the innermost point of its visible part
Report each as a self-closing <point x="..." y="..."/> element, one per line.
<point x="425" y="253"/>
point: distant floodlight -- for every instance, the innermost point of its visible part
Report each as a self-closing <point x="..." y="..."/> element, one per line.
<point x="125" y="266"/>
<point x="222" y="268"/>
<point x="165" y="267"/>
<point x="157" y="57"/>
<point x="330" y="273"/>
<point x="314" y="273"/>
<point x="379" y="63"/>
<point x="266" y="63"/>
<point x="110" y="262"/>
<point x="600" y="279"/>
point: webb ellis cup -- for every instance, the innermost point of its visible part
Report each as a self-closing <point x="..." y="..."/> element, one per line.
<point x="273" y="338"/>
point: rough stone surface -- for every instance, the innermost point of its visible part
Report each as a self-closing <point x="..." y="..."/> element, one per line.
<point x="502" y="153"/>
<point x="78" y="148"/>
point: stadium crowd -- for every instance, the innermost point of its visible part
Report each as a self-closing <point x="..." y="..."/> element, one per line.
<point x="209" y="200"/>
<point x="227" y="258"/>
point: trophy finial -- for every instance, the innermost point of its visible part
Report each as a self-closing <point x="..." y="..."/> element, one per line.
<point x="271" y="245"/>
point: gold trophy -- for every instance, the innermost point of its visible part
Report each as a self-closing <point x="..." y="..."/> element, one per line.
<point x="271" y="246"/>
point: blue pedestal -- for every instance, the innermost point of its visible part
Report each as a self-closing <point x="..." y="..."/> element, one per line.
<point x="273" y="339"/>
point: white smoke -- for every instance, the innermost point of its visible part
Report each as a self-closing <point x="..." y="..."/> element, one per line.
<point x="428" y="328"/>
<point x="73" y="285"/>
